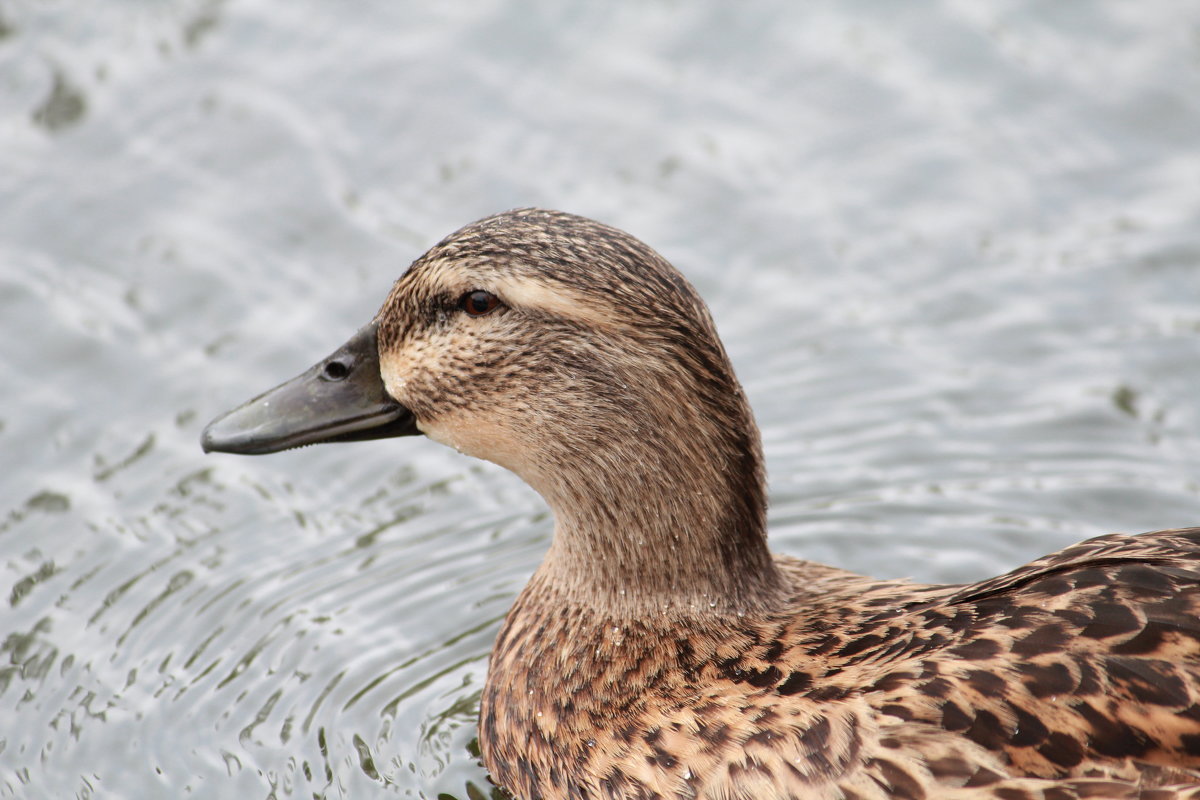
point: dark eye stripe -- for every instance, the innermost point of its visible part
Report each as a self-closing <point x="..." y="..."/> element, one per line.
<point x="478" y="303"/>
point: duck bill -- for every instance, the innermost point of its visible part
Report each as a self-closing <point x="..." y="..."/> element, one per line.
<point x="340" y="399"/>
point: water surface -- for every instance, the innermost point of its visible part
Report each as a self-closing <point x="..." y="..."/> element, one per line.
<point x="954" y="251"/>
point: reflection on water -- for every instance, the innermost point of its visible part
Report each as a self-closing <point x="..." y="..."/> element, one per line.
<point x="64" y="106"/>
<point x="953" y="252"/>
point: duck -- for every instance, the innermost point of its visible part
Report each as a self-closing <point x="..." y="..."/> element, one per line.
<point x="660" y="649"/>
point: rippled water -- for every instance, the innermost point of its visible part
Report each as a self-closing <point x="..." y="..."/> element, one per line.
<point x="954" y="250"/>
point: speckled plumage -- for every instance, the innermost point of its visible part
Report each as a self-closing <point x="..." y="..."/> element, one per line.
<point x="1074" y="676"/>
<point x="660" y="651"/>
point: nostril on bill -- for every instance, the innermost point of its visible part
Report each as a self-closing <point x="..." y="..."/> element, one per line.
<point x="336" y="370"/>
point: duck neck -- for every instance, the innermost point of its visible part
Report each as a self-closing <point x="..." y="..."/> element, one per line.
<point x="663" y="518"/>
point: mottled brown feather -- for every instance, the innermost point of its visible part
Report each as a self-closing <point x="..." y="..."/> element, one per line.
<point x="660" y="651"/>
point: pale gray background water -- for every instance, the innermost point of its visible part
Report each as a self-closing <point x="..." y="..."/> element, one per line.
<point x="953" y="248"/>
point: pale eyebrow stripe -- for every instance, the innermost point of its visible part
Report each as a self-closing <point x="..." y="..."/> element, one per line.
<point x="556" y="299"/>
<point x="524" y="291"/>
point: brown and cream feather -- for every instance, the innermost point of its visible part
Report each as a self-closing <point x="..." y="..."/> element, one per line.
<point x="661" y="651"/>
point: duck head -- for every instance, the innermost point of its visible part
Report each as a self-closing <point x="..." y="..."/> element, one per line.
<point x="574" y="355"/>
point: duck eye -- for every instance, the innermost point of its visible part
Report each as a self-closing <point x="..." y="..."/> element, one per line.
<point x="478" y="303"/>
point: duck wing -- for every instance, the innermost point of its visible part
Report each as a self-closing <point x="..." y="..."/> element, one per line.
<point x="1082" y="664"/>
